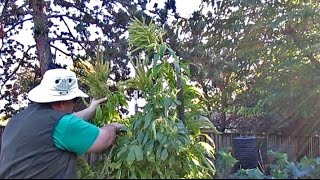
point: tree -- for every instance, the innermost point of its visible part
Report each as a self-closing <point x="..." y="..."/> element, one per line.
<point x="213" y="42"/>
<point x="255" y="61"/>
<point x="286" y="87"/>
<point x="61" y="30"/>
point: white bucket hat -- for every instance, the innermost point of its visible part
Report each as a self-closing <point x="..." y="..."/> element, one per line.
<point x="56" y="85"/>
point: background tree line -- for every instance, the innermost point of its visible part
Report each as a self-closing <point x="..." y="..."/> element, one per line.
<point x="257" y="62"/>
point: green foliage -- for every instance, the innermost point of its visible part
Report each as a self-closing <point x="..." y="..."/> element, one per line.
<point x="284" y="87"/>
<point x="248" y="174"/>
<point x="280" y="168"/>
<point x="306" y="168"/>
<point x="97" y="78"/>
<point x="257" y="62"/>
<point x="224" y="164"/>
<point x="143" y="36"/>
<point x="84" y="170"/>
<point x="157" y="143"/>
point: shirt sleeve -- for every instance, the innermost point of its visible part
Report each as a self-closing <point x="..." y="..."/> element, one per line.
<point x="74" y="134"/>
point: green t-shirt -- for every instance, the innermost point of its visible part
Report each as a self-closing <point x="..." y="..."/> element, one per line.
<point x="74" y="134"/>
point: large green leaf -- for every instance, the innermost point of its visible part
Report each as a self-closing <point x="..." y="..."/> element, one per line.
<point x="139" y="153"/>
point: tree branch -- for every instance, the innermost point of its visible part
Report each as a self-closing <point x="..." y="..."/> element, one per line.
<point x="70" y="31"/>
<point x="309" y="55"/>
<point x="68" y="39"/>
<point x="16" y="69"/>
<point x="3" y="10"/>
<point x="2" y="44"/>
<point x="55" y="47"/>
<point x="20" y="22"/>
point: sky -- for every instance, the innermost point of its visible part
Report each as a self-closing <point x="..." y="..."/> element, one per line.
<point x="183" y="7"/>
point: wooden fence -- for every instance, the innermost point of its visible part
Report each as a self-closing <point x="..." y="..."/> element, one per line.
<point x="295" y="146"/>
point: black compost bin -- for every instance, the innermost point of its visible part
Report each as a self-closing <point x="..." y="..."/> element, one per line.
<point x="246" y="152"/>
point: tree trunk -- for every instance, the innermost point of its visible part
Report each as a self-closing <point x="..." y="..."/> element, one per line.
<point x="41" y="31"/>
<point x="180" y="98"/>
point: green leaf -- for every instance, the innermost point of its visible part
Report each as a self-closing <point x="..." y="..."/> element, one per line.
<point x="164" y="154"/>
<point x="177" y="102"/>
<point x="159" y="136"/>
<point x="206" y="123"/>
<point x="172" y="53"/>
<point x="186" y="68"/>
<point x="139" y="153"/>
<point x="98" y="113"/>
<point x="131" y="156"/>
<point x="156" y="58"/>
<point x="209" y="164"/>
<point x="149" y="147"/>
<point x="156" y="69"/>
<point x="195" y="160"/>
<point x="137" y="123"/>
<point x="164" y="140"/>
<point x="167" y="102"/>
<point x="147" y="119"/>
<point x="160" y="172"/>
<point x="193" y="90"/>
<point x="143" y="173"/>
<point x="140" y="137"/>
<point x="133" y="175"/>
<point x="151" y="157"/>
<point x="172" y="160"/>
<point x="162" y="49"/>
<point x="158" y="153"/>
<point x="177" y="66"/>
<point x="208" y="138"/>
<point x="145" y="139"/>
<point x="154" y="131"/>
<point x="209" y="149"/>
<point x="123" y="150"/>
<point x="118" y="175"/>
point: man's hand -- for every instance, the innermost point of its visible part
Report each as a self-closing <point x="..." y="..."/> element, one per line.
<point x="90" y="111"/>
<point x="107" y="136"/>
<point x="119" y="127"/>
<point x="95" y="102"/>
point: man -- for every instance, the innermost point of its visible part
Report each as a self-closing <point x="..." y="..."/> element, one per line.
<point x="43" y="140"/>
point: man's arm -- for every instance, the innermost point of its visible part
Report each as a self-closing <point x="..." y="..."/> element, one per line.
<point x="90" y="111"/>
<point x="106" y="137"/>
<point x="74" y="134"/>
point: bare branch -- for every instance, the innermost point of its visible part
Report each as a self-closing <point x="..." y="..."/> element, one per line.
<point x="3" y="10"/>
<point x="65" y="53"/>
<point x="2" y="44"/>
<point x="20" y="22"/>
<point x="65" y="15"/>
<point x="71" y="32"/>
<point x="22" y="13"/>
<point x="55" y="47"/>
<point x="68" y="39"/>
<point x="16" y="69"/>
